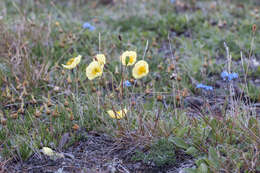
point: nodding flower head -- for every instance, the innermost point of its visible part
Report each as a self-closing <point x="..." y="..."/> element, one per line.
<point x="72" y="62"/>
<point x="205" y="87"/>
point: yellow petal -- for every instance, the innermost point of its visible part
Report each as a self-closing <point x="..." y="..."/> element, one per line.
<point x="122" y="113"/>
<point x="140" y="69"/>
<point x="131" y="55"/>
<point x="78" y="59"/>
<point x="101" y="59"/>
<point x="118" y="115"/>
<point x="111" y="113"/>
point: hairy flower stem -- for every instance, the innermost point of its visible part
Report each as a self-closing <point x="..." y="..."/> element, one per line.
<point x="75" y="71"/>
<point x="231" y="88"/>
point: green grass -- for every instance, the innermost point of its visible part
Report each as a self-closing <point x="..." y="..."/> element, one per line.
<point x="33" y="47"/>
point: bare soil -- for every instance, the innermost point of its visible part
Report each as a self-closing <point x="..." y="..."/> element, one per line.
<point x="96" y="153"/>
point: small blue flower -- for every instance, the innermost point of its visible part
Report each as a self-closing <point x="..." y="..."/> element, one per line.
<point x="172" y="1"/>
<point x="232" y="76"/>
<point x="127" y="83"/>
<point x="206" y="87"/>
<point x="88" y="26"/>
<point x="226" y="76"/>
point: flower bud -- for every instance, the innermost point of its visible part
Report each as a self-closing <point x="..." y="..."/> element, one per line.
<point x="254" y="28"/>
<point x="14" y="115"/>
<point x="185" y="92"/>
<point x="178" y="78"/>
<point x="178" y="98"/>
<point x="160" y="98"/>
<point x="3" y="121"/>
<point x="66" y="103"/>
<point x="37" y="113"/>
<point x="75" y="127"/>
<point x="71" y="117"/>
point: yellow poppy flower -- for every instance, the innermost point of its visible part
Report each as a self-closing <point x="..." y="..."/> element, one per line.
<point x="119" y="114"/>
<point x="101" y="59"/>
<point x="131" y="55"/>
<point x="47" y="151"/>
<point x="94" y="70"/>
<point x="140" y="69"/>
<point x="72" y="63"/>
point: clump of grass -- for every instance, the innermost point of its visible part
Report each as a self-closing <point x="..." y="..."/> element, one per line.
<point x="161" y="153"/>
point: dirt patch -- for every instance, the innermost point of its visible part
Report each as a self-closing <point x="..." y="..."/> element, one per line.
<point x="96" y="153"/>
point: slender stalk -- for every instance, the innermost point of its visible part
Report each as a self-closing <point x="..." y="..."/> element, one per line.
<point x="231" y="88"/>
<point x="173" y="83"/>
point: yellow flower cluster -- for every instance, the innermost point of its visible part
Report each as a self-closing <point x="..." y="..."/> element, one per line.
<point x="95" y="69"/>
<point x="140" y="69"/>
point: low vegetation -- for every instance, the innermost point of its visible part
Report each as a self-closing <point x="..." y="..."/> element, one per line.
<point x="174" y="77"/>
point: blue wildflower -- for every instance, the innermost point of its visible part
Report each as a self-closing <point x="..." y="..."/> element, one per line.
<point x="206" y="87"/>
<point x="228" y="76"/>
<point x="232" y="76"/>
<point x="224" y="75"/>
<point x="172" y="1"/>
<point x="127" y="83"/>
<point x="88" y="26"/>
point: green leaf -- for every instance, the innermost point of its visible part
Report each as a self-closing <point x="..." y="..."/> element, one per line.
<point x="201" y="160"/>
<point x="4" y="68"/>
<point x="127" y="60"/>
<point x="213" y="157"/>
<point x="179" y="142"/>
<point x="189" y="170"/>
<point x="258" y="168"/>
<point x="203" y="168"/>
<point x="192" y="151"/>
<point x="182" y="131"/>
